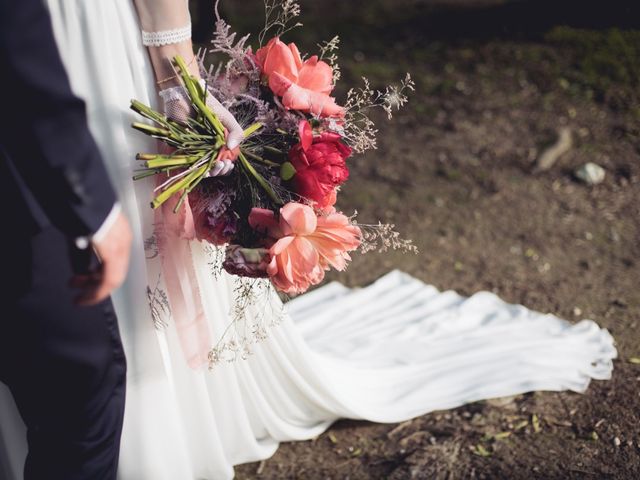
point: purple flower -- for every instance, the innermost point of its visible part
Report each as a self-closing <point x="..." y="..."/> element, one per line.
<point x="214" y="219"/>
<point x="246" y="262"/>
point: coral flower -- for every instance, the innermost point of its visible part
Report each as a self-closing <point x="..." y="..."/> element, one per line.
<point x="303" y="86"/>
<point x="305" y="245"/>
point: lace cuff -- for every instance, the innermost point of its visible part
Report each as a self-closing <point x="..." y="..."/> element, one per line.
<point x="166" y="37"/>
<point x="174" y="94"/>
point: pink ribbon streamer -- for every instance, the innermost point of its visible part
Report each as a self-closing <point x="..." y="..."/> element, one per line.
<point x="175" y="232"/>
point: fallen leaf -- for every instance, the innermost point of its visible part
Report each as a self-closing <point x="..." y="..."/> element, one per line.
<point x="481" y="451"/>
<point x="535" y="421"/>
<point x="521" y="425"/>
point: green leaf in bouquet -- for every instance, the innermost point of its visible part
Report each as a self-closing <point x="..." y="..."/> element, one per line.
<point x="287" y="171"/>
<point x="260" y="179"/>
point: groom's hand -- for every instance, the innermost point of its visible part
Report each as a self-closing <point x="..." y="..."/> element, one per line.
<point x="113" y="251"/>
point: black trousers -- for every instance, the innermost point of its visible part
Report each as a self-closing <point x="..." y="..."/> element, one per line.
<point x="64" y="364"/>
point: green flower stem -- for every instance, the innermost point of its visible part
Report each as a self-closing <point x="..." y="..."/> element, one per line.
<point x="150" y="130"/>
<point x="252" y="129"/>
<point x="273" y="149"/>
<point x="257" y="158"/>
<point x="176" y="187"/>
<point x="148" y="112"/>
<point x="171" y="162"/>
<point x="158" y="156"/>
<point x="196" y="181"/>
<point x="147" y="156"/>
<point x="153" y="171"/>
<point x="259" y="178"/>
<point x="145" y="174"/>
<point x="197" y="96"/>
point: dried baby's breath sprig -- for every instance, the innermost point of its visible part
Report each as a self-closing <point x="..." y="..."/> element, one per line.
<point x="279" y="16"/>
<point x="256" y="309"/>
<point x="359" y="130"/>
<point x="381" y="238"/>
<point x="215" y="258"/>
<point x="329" y="53"/>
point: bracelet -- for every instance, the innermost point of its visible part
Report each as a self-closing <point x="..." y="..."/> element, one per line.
<point x="166" y="37"/>
<point x="164" y="80"/>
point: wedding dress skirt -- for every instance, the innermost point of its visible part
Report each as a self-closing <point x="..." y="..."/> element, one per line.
<point x="388" y="352"/>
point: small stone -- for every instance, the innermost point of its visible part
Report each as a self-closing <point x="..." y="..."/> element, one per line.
<point x="583" y="132"/>
<point x="616" y="441"/>
<point x="615" y="236"/>
<point x="545" y="267"/>
<point x="590" y="173"/>
<point x="577" y="311"/>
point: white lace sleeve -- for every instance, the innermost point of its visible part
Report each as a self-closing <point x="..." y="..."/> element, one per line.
<point x="164" y="22"/>
<point x="166" y="37"/>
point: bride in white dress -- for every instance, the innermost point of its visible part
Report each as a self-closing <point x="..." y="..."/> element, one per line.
<point x="392" y="351"/>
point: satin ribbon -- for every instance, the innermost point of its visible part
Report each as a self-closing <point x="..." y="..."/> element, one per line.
<point x="175" y="231"/>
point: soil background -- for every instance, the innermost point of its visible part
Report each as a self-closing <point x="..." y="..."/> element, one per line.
<point x="455" y="171"/>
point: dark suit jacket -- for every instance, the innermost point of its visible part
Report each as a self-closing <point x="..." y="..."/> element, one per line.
<point x="51" y="171"/>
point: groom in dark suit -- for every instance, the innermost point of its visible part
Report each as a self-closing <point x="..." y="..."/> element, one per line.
<point x="60" y="349"/>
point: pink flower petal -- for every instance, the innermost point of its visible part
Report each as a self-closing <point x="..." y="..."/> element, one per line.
<point x="316" y="76"/>
<point x="264" y="220"/>
<point x="279" y="84"/>
<point x="279" y="59"/>
<point x="296" y="55"/>
<point x="298" y="98"/>
<point x="298" y="219"/>
<point x="305" y="133"/>
<point x="281" y="245"/>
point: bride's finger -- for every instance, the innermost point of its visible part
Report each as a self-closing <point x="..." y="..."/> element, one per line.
<point x="228" y="166"/>
<point x="236" y="133"/>
<point x="235" y="136"/>
<point x="217" y="168"/>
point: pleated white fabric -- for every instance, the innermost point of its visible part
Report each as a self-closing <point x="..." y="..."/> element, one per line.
<point x="386" y="353"/>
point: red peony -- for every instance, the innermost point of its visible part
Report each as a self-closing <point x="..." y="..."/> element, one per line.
<point x="320" y="166"/>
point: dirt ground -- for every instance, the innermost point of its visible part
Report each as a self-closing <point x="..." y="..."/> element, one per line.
<point x="455" y="172"/>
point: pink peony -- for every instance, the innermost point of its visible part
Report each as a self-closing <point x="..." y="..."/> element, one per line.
<point x="304" y="245"/>
<point x="303" y="86"/>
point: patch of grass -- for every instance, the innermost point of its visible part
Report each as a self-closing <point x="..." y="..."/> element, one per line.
<point x="604" y="62"/>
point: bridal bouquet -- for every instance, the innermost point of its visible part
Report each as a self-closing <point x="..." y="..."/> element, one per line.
<point x="275" y="211"/>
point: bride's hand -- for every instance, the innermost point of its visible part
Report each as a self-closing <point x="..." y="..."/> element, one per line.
<point x="177" y="107"/>
<point x="166" y="31"/>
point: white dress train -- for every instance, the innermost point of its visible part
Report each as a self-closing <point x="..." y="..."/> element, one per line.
<point x="388" y="352"/>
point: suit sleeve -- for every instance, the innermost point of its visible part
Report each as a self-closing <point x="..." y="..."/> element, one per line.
<point x="43" y="125"/>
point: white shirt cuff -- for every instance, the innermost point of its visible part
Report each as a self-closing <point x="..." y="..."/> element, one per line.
<point x="84" y="242"/>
